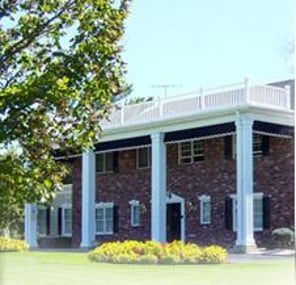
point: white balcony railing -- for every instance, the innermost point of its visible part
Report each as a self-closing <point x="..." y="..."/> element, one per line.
<point x="200" y="101"/>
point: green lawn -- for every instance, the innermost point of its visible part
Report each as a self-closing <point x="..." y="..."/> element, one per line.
<point x="74" y="269"/>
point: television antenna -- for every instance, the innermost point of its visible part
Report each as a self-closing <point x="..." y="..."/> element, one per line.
<point x="165" y="87"/>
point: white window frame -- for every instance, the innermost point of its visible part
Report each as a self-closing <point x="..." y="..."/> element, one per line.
<point x="104" y="155"/>
<point x="203" y="200"/>
<point x="104" y="206"/>
<point x="148" y="158"/>
<point x="234" y="211"/>
<point x="192" y="156"/>
<point x="64" y="208"/>
<point x="135" y="210"/>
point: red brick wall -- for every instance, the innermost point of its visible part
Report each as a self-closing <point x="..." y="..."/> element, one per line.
<point x="214" y="176"/>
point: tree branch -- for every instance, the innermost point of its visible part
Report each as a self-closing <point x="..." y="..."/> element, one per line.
<point x="25" y="42"/>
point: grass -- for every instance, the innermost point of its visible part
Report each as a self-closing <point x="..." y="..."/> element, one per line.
<point x="52" y="268"/>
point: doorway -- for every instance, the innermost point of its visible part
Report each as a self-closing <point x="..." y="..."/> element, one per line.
<point x="173" y="228"/>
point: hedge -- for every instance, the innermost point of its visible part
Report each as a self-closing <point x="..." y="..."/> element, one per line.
<point x="151" y="252"/>
<point x="8" y="244"/>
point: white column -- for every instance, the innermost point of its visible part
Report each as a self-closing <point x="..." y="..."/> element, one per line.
<point x="158" y="185"/>
<point x="88" y="199"/>
<point x="244" y="169"/>
<point x="31" y="225"/>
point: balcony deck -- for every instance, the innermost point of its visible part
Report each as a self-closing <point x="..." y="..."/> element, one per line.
<point x="219" y="98"/>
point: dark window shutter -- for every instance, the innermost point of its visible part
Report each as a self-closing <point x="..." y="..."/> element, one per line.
<point x="228" y="213"/>
<point x="115" y="219"/>
<point x="47" y="222"/>
<point x="266" y="212"/>
<point x="228" y="147"/>
<point x="115" y="161"/>
<point x="59" y="221"/>
<point x="265" y="145"/>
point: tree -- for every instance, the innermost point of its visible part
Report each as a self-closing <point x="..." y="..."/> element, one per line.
<point x="60" y="68"/>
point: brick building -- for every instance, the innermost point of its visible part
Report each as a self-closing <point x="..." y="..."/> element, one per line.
<point x="216" y="166"/>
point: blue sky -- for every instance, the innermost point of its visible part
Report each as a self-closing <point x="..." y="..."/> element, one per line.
<point x="194" y="43"/>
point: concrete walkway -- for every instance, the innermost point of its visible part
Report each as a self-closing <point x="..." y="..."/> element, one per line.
<point x="262" y="254"/>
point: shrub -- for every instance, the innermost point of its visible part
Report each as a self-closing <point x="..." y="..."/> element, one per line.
<point x="283" y="236"/>
<point x="213" y="254"/>
<point x="151" y="252"/>
<point x="7" y="244"/>
<point x="147" y="259"/>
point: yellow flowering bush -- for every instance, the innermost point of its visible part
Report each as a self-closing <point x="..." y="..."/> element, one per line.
<point x="214" y="254"/>
<point x="151" y="252"/>
<point x="7" y="244"/>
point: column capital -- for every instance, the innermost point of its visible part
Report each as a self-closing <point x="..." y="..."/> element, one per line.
<point x="157" y="136"/>
<point x="88" y="151"/>
<point x="244" y="121"/>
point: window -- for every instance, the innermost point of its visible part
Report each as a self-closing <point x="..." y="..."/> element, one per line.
<point x="257" y="212"/>
<point x="260" y="145"/>
<point x="143" y="157"/>
<point x="191" y="151"/>
<point x="41" y="221"/>
<point x="135" y="213"/>
<point x="205" y="209"/>
<point x="104" y="218"/>
<point x="257" y="144"/>
<point x="104" y="162"/>
<point x="66" y="220"/>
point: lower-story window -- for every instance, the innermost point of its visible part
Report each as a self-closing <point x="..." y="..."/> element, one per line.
<point x="205" y="209"/>
<point x="104" y="218"/>
<point x="257" y="211"/>
<point x="66" y="220"/>
<point x="41" y="221"/>
<point x="135" y="213"/>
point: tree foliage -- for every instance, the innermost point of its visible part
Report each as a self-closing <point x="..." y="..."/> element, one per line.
<point x="60" y="67"/>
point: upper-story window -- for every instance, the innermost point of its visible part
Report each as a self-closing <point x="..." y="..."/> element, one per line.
<point x="257" y="144"/>
<point x="144" y="157"/>
<point x="104" y="162"/>
<point x="260" y="146"/>
<point x="191" y="151"/>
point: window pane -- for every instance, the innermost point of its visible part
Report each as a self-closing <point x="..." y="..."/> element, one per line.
<point x="100" y="162"/>
<point x="257" y="143"/>
<point x="109" y="226"/>
<point x="135" y="215"/>
<point x="206" y="211"/>
<point x="67" y="221"/>
<point x="109" y="213"/>
<point x="109" y="161"/>
<point x="198" y="148"/>
<point x="41" y="221"/>
<point x="186" y="149"/>
<point x="143" y="157"/>
<point x="99" y="226"/>
<point x="258" y="213"/>
<point x="99" y="214"/>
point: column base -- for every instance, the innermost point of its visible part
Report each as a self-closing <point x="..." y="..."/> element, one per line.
<point x="245" y="248"/>
<point x="33" y="248"/>
<point x="89" y="245"/>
